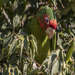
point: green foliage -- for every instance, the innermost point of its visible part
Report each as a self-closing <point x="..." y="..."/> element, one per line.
<point x="70" y="50"/>
<point x="18" y="49"/>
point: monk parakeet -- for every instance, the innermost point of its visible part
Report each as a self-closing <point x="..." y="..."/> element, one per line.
<point x="42" y="26"/>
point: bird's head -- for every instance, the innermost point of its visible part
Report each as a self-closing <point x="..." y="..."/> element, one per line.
<point x="48" y="25"/>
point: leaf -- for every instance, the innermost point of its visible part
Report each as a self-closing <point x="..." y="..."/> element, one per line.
<point x="70" y="50"/>
<point x="52" y="63"/>
<point x="16" y="21"/>
<point x="55" y="68"/>
<point x="12" y="46"/>
<point x="15" y="4"/>
<point x="20" y="37"/>
<point x="21" y="52"/>
<point x="26" y="43"/>
<point x="6" y="41"/>
<point x="44" y="42"/>
<point x="33" y="46"/>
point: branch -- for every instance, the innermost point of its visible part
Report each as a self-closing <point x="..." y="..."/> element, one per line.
<point x="6" y="16"/>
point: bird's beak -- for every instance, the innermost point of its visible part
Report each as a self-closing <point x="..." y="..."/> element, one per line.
<point x="50" y="32"/>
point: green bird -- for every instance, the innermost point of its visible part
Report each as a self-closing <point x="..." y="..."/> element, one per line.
<point x="42" y="26"/>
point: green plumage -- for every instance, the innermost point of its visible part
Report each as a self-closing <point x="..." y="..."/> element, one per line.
<point x="34" y="28"/>
<point x="46" y="10"/>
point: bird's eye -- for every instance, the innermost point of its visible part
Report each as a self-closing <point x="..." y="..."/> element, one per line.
<point x="47" y="20"/>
